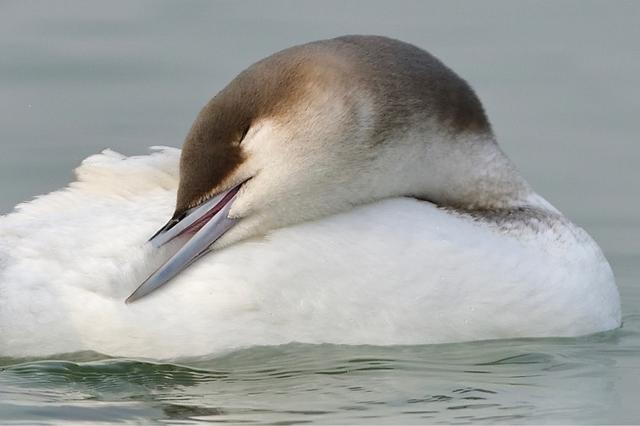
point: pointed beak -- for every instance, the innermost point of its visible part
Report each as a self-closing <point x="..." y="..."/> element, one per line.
<point x="204" y="223"/>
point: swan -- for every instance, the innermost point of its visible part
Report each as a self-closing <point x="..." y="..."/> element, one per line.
<point x="346" y="191"/>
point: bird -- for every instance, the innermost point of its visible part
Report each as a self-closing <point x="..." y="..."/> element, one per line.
<point x="346" y="191"/>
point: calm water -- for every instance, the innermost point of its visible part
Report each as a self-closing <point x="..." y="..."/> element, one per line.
<point x="560" y="82"/>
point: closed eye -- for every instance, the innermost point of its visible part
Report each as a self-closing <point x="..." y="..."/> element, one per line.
<point x="244" y="133"/>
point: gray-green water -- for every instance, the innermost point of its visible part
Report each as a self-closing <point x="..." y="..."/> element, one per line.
<point x="561" y="84"/>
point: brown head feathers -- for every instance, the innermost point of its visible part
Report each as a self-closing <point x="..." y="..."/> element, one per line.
<point x="405" y="84"/>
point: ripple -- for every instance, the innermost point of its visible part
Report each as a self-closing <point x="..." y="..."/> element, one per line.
<point x="538" y="379"/>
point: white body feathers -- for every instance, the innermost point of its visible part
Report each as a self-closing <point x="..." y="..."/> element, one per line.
<point x="398" y="271"/>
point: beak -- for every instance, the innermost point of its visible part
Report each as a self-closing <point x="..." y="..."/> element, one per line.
<point x="205" y="223"/>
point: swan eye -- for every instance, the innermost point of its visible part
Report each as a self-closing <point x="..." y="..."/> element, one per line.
<point x="243" y="134"/>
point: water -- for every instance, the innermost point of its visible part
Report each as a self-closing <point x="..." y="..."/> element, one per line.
<point x="560" y="83"/>
<point x="537" y="381"/>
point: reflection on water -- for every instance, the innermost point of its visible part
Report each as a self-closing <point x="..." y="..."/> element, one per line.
<point x="560" y="83"/>
<point x="537" y="380"/>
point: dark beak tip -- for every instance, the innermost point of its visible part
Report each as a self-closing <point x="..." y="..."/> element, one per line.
<point x="170" y="224"/>
<point x="135" y="296"/>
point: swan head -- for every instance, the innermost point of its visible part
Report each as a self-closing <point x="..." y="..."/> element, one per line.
<point x="317" y="129"/>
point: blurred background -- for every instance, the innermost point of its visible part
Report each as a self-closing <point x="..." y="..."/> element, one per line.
<point x="559" y="81"/>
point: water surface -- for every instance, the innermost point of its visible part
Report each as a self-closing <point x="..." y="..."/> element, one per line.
<point x="560" y="84"/>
